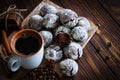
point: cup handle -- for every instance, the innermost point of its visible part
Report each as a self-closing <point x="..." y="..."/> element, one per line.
<point x="14" y="63"/>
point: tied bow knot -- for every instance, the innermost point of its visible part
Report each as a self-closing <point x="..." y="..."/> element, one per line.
<point x="11" y="9"/>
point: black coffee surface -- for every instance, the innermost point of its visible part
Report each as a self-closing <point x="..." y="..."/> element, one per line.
<point x="27" y="45"/>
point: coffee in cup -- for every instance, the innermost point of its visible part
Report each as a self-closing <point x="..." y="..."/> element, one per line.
<point x="28" y="45"/>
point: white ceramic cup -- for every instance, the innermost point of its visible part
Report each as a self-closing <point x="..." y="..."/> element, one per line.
<point x="14" y="63"/>
<point x="32" y="60"/>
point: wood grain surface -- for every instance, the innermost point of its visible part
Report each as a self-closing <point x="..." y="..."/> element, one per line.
<point x="101" y="58"/>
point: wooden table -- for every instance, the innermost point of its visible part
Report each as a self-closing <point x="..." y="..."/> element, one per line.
<point x="101" y="58"/>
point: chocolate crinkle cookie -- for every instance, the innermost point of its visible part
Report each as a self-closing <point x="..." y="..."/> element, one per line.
<point x="50" y="21"/>
<point x="68" y="17"/>
<point x="47" y="37"/>
<point x="62" y="36"/>
<point x="73" y="51"/>
<point x="71" y="23"/>
<point x="79" y="33"/>
<point x="47" y="9"/>
<point x="84" y="22"/>
<point x="53" y="52"/>
<point x="63" y="39"/>
<point x="69" y="67"/>
<point x="35" y="22"/>
<point x="62" y="29"/>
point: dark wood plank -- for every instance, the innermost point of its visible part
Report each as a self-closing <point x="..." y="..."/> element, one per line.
<point x="97" y="64"/>
<point x="109" y="33"/>
<point x="100" y="61"/>
<point x="110" y="57"/>
<point x="113" y="8"/>
<point x="107" y="25"/>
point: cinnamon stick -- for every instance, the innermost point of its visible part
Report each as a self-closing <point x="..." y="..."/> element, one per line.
<point x="5" y="40"/>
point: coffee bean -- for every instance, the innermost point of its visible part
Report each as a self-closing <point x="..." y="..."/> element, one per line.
<point x="42" y="74"/>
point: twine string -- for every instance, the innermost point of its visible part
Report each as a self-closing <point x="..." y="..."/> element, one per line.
<point x="11" y="10"/>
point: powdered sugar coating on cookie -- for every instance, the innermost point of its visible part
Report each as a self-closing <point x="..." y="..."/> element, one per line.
<point x="67" y="15"/>
<point x="50" y="21"/>
<point x="61" y="29"/>
<point x="84" y="22"/>
<point x="79" y="33"/>
<point x="35" y="22"/>
<point x="53" y="52"/>
<point x="47" y="37"/>
<point x="71" y="23"/>
<point x="48" y="9"/>
<point x="73" y="51"/>
<point x="69" y="67"/>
